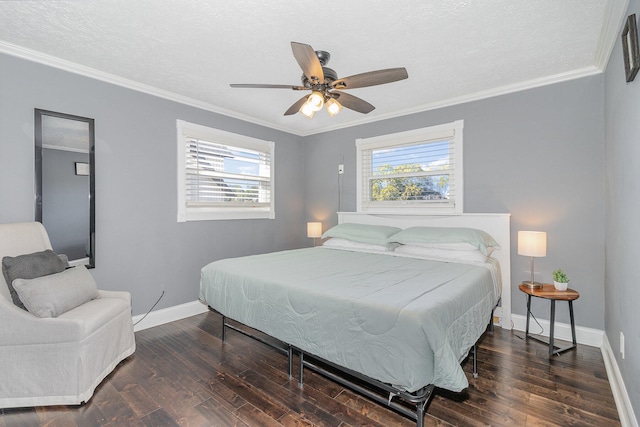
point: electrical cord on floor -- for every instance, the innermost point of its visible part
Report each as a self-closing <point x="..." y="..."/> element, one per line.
<point x="537" y="323"/>
<point x="152" y="307"/>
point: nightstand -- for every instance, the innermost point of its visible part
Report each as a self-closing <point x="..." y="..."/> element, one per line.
<point x="552" y="294"/>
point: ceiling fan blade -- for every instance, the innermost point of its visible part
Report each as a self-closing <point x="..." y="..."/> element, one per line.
<point x="296" y="107"/>
<point x="267" y="86"/>
<point x="371" y="78"/>
<point x="308" y="61"/>
<point x="353" y="102"/>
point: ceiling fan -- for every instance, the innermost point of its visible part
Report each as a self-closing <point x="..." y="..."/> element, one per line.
<point x="325" y="86"/>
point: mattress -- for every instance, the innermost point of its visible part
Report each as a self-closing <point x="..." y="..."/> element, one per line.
<point x="404" y="321"/>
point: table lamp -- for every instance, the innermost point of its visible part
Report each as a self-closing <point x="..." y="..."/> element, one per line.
<point x="532" y="244"/>
<point x="314" y="231"/>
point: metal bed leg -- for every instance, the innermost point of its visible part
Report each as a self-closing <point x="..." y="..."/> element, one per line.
<point x="301" y="369"/>
<point x="475" y="361"/>
<point x="420" y="414"/>
<point x="224" y="328"/>
<point x="290" y="361"/>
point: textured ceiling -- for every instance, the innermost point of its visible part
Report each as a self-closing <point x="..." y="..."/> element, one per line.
<point x="191" y="50"/>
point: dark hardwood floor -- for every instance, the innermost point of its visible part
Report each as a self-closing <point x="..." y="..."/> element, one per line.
<point x="182" y="375"/>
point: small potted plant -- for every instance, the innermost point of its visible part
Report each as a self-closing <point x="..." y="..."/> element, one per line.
<point x="560" y="280"/>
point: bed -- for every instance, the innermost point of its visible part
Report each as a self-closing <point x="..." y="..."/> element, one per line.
<point x="382" y="312"/>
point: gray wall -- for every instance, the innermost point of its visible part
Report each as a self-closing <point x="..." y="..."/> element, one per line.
<point x="537" y="154"/>
<point x="139" y="245"/>
<point x="622" y="212"/>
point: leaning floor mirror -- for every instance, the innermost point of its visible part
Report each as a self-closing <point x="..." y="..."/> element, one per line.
<point x="65" y="183"/>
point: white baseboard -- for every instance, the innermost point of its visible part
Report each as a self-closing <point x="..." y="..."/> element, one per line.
<point x="562" y="331"/>
<point x="625" y="410"/>
<point x="169" y="314"/>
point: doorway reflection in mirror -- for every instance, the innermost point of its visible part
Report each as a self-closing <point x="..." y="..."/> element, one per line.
<point x="65" y="202"/>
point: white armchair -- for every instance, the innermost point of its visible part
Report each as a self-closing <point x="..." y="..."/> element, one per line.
<point x="57" y="361"/>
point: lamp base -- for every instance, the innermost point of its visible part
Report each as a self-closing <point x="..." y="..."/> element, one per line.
<point x="532" y="285"/>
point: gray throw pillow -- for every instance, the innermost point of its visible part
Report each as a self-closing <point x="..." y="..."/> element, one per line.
<point x="30" y="266"/>
<point x="52" y="295"/>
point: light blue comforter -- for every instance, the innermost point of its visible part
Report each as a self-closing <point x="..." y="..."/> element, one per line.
<point x="403" y="321"/>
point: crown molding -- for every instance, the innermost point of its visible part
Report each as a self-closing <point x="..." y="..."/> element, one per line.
<point x="611" y="27"/>
<point x="72" y="67"/>
<point x="477" y="96"/>
<point x="41" y="58"/>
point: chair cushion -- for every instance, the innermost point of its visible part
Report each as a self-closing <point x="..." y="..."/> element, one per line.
<point x="30" y="266"/>
<point x="54" y="294"/>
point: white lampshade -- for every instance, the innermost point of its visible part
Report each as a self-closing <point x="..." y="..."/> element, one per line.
<point x="307" y="110"/>
<point x="333" y="107"/>
<point x="315" y="101"/>
<point x="532" y="243"/>
<point x="314" y="230"/>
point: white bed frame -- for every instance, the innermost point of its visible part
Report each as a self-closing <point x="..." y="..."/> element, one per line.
<point x="497" y="225"/>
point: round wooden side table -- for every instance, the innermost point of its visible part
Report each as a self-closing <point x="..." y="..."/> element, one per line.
<point x="552" y="294"/>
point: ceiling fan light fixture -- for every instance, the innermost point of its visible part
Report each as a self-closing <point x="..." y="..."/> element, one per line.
<point x="307" y="110"/>
<point x="325" y="85"/>
<point x="333" y="107"/>
<point x="316" y="100"/>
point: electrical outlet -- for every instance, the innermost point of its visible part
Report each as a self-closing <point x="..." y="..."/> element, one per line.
<point x="622" y="344"/>
<point x="340" y="168"/>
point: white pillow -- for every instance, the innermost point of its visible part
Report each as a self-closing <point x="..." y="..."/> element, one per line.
<point x="350" y="245"/>
<point x="446" y="255"/>
<point x="52" y="295"/>
<point x="446" y="235"/>
<point x="363" y="233"/>
<point x="460" y="246"/>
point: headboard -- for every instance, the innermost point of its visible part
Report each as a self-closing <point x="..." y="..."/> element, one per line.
<point x="496" y="224"/>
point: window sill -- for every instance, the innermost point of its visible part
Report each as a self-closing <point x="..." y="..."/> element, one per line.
<point x="411" y="210"/>
<point x="224" y="214"/>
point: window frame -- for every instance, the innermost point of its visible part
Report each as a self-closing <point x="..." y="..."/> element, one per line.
<point x="453" y="131"/>
<point x="187" y="130"/>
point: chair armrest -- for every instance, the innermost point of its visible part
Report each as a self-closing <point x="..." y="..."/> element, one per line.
<point x="115" y="294"/>
<point x="19" y="327"/>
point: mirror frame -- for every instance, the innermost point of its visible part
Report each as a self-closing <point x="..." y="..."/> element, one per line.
<point x="92" y="181"/>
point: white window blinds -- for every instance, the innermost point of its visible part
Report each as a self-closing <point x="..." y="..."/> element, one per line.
<point x="224" y="175"/>
<point x="415" y="170"/>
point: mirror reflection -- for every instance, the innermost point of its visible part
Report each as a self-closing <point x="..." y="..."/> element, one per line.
<point x="65" y="187"/>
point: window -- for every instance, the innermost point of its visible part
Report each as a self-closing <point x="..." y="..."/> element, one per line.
<point x="222" y="175"/>
<point x="418" y="171"/>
